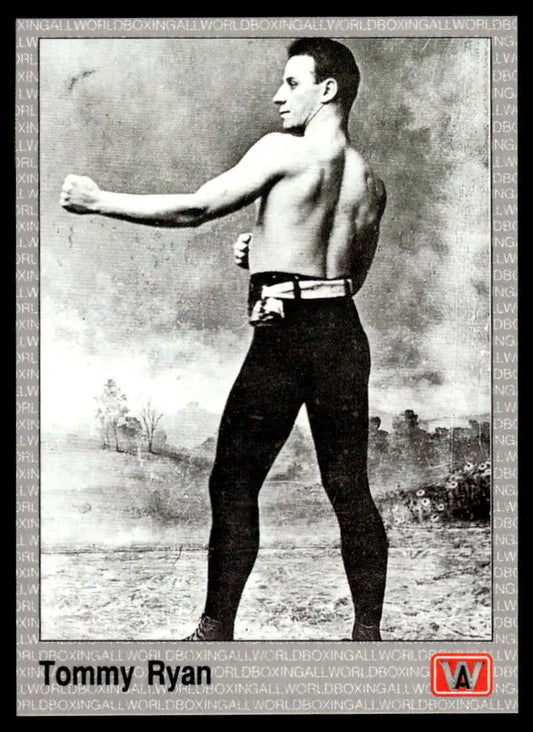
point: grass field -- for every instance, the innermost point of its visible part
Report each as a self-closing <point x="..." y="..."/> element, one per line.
<point x="124" y="557"/>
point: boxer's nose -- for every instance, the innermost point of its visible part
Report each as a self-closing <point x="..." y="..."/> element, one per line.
<point x="279" y="97"/>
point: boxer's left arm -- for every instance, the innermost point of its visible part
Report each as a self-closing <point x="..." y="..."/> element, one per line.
<point x="367" y="233"/>
<point x="265" y="162"/>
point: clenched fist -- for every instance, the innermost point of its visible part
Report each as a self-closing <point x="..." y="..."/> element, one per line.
<point x="241" y="249"/>
<point x="79" y="194"/>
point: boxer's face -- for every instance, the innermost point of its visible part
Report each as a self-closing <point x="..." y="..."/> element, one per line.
<point x="299" y="95"/>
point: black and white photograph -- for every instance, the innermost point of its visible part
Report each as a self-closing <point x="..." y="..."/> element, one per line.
<point x="265" y="314"/>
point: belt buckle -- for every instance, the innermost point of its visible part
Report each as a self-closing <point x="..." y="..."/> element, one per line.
<point x="267" y="311"/>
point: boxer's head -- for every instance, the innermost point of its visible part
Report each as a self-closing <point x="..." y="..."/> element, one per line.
<point x="319" y="71"/>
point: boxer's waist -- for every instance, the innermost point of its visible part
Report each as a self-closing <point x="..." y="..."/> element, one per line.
<point x="273" y="295"/>
<point x="290" y="286"/>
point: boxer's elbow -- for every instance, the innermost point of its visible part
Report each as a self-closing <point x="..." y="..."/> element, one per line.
<point x="189" y="212"/>
<point x="192" y="218"/>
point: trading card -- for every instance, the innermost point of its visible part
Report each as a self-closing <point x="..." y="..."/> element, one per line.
<point x="266" y="365"/>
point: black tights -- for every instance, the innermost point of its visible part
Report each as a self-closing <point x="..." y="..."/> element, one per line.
<point x="317" y="356"/>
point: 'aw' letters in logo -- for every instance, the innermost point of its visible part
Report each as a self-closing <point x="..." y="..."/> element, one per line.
<point x="462" y="674"/>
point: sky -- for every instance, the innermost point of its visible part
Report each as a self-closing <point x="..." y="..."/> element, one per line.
<point x="163" y="312"/>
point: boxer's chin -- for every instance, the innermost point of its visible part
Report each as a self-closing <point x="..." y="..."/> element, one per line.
<point x="289" y="126"/>
<point x="293" y="129"/>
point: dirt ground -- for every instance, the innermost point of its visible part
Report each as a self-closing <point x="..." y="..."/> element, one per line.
<point x="432" y="593"/>
<point x="110" y="572"/>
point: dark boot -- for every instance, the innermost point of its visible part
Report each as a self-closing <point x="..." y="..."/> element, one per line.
<point x="210" y="629"/>
<point x="367" y="621"/>
<point x="362" y="632"/>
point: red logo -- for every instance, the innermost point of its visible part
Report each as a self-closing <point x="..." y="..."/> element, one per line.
<point x="462" y="674"/>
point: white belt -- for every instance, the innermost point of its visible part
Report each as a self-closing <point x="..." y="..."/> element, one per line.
<point x="309" y="289"/>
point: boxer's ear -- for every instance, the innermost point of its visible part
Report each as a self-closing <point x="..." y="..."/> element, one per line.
<point x="330" y="90"/>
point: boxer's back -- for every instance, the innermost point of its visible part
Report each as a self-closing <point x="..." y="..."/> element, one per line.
<point x="322" y="214"/>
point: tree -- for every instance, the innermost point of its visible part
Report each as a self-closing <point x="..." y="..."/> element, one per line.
<point x="131" y="430"/>
<point x="150" y="419"/>
<point x="111" y="412"/>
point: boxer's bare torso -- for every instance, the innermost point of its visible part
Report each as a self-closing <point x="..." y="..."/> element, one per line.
<point x="322" y="217"/>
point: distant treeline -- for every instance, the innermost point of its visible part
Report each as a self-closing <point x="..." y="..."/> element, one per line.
<point x="409" y="455"/>
<point x="405" y="457"/>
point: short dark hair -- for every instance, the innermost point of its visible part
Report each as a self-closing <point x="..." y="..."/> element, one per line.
<point x="334" y="60"/>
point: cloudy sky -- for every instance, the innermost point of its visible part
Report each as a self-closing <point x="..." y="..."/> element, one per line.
<point x="163" y="311"/>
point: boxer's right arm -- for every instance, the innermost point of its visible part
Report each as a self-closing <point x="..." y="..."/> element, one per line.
<point x="265" y="162"/>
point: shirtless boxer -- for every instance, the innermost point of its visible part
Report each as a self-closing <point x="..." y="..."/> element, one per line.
<point x="319" y="207"/>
